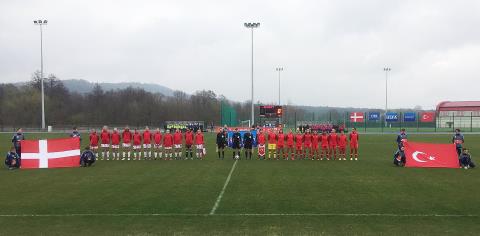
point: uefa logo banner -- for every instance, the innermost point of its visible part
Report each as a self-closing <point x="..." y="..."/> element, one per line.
<point x="391" y="117"/>
<point x="409" y="116"/>
<point x="374" y="116"/>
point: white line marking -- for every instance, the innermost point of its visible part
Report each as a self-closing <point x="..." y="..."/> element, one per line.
<point x="219" y="198"/>
<point x="241" y="214"/>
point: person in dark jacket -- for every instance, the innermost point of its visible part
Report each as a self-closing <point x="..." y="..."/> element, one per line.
<point x="12" y="161"/>
<point x="399" y="158"/>
<point x="17" y="141"/>
<point x="401" y="138"/>
<point x="458" y="140"/>
<point x="76" y="134"/>
<point x="222" y="141"/>
<point x="466" y="159"/>
<point x="236" y="144"/>
<point x="87" y="158"/>
<point x="248" y="144"/>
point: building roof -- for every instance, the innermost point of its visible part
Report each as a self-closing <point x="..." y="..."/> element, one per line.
<point x="459" y="106"/>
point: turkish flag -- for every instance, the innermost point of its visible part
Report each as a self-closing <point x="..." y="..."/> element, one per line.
<point x="356" y="117"/>
<point x="431" y="155"/>
<point x="427" y="116"/>
<point x="51" y="153"/>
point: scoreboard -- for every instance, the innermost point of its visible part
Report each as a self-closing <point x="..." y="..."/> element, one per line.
<point x="271" y="111"/>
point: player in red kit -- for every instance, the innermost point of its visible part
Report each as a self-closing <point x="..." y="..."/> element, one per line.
<point x="115" y="144"/>
<point x="307" y="144"/>
<point x="324" y="141"/>
<point x="281" y="144"/>
<point x="127" y="142"/>
<point x="199" y="145"/>
<point x="157" y="146"/>
<point x="137" y="144"/>
<point x="105" y="138"/>
<point x="272" y="144"/>
<point x="298" y="144"/>
<point x="353" y="144"/>
<point x="261" y="144"/>
<point x="147" y="143"/>
<point x="342" y="145"/>
<point x="290" y="142"/>
<point x="332" y="144"/>
<point x="188" y="143"/>
<point x="315" y="141"/>
<point x="94" y="141"/>
<point x="168" y="144"/>
<point x="177" y="144"/>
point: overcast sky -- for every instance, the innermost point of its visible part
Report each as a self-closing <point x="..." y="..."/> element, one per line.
<point x="333" y="52"/>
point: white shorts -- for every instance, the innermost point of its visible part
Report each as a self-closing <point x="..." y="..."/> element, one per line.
<point x="94" y="147"/>
<point x="126" y="145"/>
<point x="199" y="146"/>
<point x="115" y="146"/>
<point x="178" y="145"/>
<point x="135" y="147"/>
<point x="147" y="145"/>
<point x="105" y="145"/>
<point x="168" y="148"/>
<point x="157" y="146"/>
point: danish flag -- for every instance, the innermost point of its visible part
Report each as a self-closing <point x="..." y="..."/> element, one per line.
<point x="356" y="117"/>
<point x="51" y="153"/>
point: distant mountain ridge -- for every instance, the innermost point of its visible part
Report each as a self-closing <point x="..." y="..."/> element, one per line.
<point x="83" y="86"/>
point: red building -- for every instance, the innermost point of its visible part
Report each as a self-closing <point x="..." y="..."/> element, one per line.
<point x="459" y="114"/>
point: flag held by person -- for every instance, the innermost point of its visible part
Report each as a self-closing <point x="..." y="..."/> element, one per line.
<point x="431" y="155"/>
<point x="51" y="153"/>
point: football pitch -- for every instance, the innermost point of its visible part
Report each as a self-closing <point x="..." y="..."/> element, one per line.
<point x="215" y="197"/>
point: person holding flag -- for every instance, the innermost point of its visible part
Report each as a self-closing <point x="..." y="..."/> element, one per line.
<point x="458" y="140"/>
<point x="76" y="134"/>
<point x="401" y="138"/>
<point x="87" y="158"/>
<point x="17" y="141"/>
<point x="399" y="158"/>
<point x="353" y="144"/>
<point x="12" y="161"/>
<point x="466" y="160"/>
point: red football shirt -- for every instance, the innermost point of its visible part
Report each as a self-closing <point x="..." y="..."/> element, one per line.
<point x="93" y="139"/>
<point x="342" y="140"/>
<point x="189" y="138"/>
<point x="354" y="138"/>
<point x="115" y="138"/>
<point x="105" y="137"/>
<point x="167" y="140"/>
<point x="177" y="138"/>
<point x="299" y="139"/>
<point x="272" y="138"/>
<point x="281" y="139"/>
<point x="290" y="139"/>
<point x="137" y="139"/>
<point x="199" y="139"/>
<point x="307" y="138"/>
<point x="332" y="139"/>
<point x="127" y="136"/>
<point x="147" y="136"/>
<point x="324" y="139"/>
<point x="315" y="140"/>
<point x="157" y="137"/>
<point x="261" y="139"/>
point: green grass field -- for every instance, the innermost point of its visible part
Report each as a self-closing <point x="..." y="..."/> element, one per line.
<point x="367" y="197"/>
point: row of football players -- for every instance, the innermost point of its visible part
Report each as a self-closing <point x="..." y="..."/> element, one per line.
<point x="166" y="146"/>
<point x="294" y="146"/>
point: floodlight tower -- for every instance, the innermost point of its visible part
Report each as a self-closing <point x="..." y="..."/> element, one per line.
<point x="252" y="26"/>
<point x="40" y="23"/>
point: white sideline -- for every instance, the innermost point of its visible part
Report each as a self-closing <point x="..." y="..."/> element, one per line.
<point x="219" y="198"/>
<point x="241" y="214"/>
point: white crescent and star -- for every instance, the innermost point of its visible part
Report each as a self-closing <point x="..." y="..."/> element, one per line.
<point x="415" y="156"/>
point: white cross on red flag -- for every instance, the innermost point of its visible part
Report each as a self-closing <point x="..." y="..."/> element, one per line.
<point x="356" y="117"/>
<point x="51" y="153"/>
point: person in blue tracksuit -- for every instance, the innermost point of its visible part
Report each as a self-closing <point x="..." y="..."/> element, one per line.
<point x="76" y="134"/>
<point x="458" y="140"/>
<point x="16" y="141"/>
<point x="87" y="158"/>
<point x="399" y="158"/>
<point x="466" y="159"/>
<point x="12" y="161"/>
<point x="401" y="137"/>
